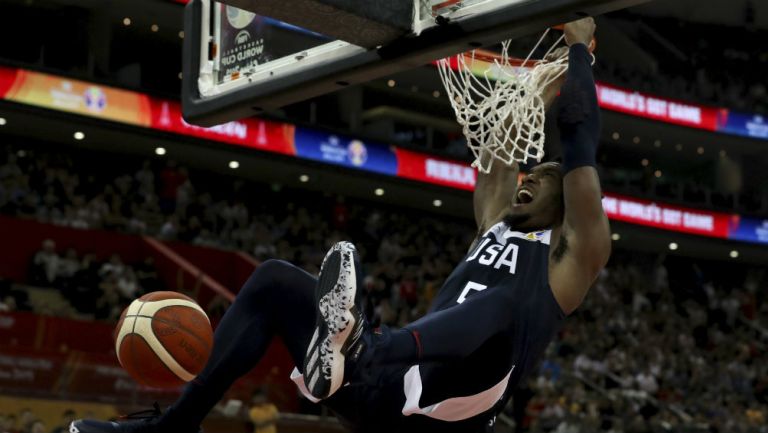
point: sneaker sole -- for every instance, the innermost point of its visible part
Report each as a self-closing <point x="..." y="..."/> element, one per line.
<point x="336" y="319"/>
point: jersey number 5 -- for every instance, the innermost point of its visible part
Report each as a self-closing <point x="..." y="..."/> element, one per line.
<point x="471" y="285"/>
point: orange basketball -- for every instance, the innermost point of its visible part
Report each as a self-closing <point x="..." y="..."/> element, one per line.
<point x="163" y="339"/>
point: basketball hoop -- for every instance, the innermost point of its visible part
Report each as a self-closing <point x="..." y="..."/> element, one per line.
<point x="501" y="110"/>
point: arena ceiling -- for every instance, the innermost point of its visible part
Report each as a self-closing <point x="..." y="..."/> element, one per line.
<point x="731" y="13"/>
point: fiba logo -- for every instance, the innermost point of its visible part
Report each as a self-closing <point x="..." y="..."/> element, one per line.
<point x="242" y="37"/>
<point x="95" y="99"/>
<point x="239" y="18"/>
<point x="357" y="153"/>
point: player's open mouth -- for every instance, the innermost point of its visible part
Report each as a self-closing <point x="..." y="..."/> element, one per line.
<point x="524" y="196"/>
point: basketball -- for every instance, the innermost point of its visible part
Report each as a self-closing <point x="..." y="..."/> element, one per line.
<point x="163" y="339"/>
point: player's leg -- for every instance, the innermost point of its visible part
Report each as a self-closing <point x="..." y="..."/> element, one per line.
<point x="278" y="299"/>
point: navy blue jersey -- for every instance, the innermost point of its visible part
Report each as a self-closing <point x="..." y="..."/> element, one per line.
<point x="504" y="275"/>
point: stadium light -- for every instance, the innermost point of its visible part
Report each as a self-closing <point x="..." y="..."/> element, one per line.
<point x="734" y="254"/>
<point x="437" y="203"/>
<point x="657" y="143"/>
<point x="155" y="27"/>
<point x="636" y="140"/>
<point x="3" y="121"/>
<point x="616" y="135"/>
<point x="234" y="165"/>
<point x="303" y="178"/>
<point x="391" y="83"/>
<point x="379" y="192"/>
<point x="673" y="246"/>
<point x="79" y="135"/>
<point x="160" y="151"/>
<point x="126" y="21"/>
<point x="615" y="236"/>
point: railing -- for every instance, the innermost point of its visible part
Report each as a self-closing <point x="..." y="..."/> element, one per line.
<point x="51" y="357"/>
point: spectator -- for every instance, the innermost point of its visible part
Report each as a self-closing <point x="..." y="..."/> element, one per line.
<point x="145" y="179"/>
<point x="36" y="426"/>
<point x="68" y="265"/>
<point x="170" y="229"/>
<point x="171" y="178"/>
<point x="45" y="264"/>
<point x="8" y="304"/>
<point x="114" y="267"/>
<point x="146" y="275"/>
<point x="127" y="285"/>
<point x="263" y="414"/>
<point x="66" y="418"/>
<point x="10" y="169"/>
<point x="8" y="424"/>
<point x="108" y="304"/>
<point x="26" y="419"/>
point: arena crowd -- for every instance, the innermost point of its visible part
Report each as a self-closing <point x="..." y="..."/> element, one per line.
<point x="662" y="344"/>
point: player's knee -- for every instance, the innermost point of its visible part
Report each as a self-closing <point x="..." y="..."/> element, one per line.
<point x="274" y="267"/>
<point x="268" y="275"/>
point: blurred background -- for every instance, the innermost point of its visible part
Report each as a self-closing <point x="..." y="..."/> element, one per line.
<point x="107" y="194"/>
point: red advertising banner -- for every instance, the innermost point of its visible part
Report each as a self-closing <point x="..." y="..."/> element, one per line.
<point x="252" y="133"/>
<point x="7" y="79"/>
<point x="430" y="169"/>
<point x="655" y="108"/>
<point x="74" y="96"/>
<point x="19" y="329"/>
<point x="23" y="329"/>
<point x="26" y="371"/>
<point x="138" y="109"/>
<point x="667" y="217"/>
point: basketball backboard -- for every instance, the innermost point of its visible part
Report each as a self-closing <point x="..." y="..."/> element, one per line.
<point x="238" y="64"/>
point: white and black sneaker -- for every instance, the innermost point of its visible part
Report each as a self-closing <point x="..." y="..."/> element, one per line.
<point x="339" y="324"/>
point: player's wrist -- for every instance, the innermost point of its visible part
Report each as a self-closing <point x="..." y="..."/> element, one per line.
<point x="580" y="46"/>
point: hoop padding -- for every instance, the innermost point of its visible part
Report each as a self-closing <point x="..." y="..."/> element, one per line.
<point x="502" y="112"/>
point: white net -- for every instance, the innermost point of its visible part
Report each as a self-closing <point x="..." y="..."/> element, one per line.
<point x="501" y="110"/>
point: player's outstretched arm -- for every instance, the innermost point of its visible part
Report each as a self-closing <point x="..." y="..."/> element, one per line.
<point x="584" y="245"/>
<point x="493" y="194"/>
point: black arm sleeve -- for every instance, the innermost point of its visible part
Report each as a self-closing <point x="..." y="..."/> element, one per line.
<point x="579" y="116"/>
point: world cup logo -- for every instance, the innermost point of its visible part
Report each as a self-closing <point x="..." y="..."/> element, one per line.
<point x="95" y="99"/>
<point x="357" y="153"/>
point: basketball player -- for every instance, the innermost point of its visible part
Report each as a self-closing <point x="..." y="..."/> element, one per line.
<point x="540" y="246"/>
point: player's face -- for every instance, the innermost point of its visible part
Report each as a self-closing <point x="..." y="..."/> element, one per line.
<point x="538" y="201"/>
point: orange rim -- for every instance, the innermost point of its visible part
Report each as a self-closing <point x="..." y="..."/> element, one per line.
<point x="444" y="4"/>
<point x="491" y="57"/>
